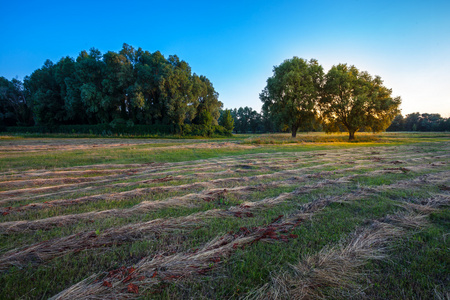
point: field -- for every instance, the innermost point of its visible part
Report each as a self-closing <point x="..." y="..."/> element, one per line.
<point x="249" y="217"/>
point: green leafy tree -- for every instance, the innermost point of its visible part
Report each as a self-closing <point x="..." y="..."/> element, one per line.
<point x="354" y="100"/>
<point x="45" y="94"/>
<point x="398" y="124"/>
<point x="176" y="92"/>
<point x="14" y="108"/>
<point x="90" y="72"/>
<point x="292" y="93"/>
<point x="227" y="121"/>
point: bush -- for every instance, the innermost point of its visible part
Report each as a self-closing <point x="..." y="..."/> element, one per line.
<point x="124" y="128"/>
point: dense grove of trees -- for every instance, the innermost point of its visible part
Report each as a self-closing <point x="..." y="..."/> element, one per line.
<point x="420" y="122"/>
<point x="131" y="86"/>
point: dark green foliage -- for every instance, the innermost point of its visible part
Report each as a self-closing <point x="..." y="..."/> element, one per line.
<point x="226" y="120"/>
<point x="131" y="86"/>
<point x="353" y="100"/>
<point x="292" y="93"/>
<point x="120" y="127"/>
<point x="420" y="122"/>
<point x="14" y="109"/>
<point x="247" y="120"/>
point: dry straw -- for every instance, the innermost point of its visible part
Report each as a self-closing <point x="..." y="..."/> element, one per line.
<point x="130" y="282"/>
<point x="334" y="271"/>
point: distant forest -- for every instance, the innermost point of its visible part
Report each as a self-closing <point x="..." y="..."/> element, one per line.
<point x="138" y="92"/>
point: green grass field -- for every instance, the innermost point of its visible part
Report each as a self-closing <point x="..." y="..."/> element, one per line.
<point x="247" y="217"/>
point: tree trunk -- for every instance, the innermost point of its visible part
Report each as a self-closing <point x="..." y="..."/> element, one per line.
<point x="294" y="131"/>
<point x="351" y="135"/>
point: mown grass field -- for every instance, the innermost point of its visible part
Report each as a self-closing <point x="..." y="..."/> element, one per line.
<point x="249" y="217"/>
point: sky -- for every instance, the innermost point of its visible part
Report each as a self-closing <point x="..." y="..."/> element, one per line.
<point x="236" y="44"/>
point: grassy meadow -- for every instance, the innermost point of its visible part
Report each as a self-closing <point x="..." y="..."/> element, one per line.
<point x="247" y="217"/>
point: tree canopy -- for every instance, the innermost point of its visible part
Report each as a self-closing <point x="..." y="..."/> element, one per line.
<point x="292" y="93"/>
<point x="353" y="100"/>
<point x="132" y="86"/>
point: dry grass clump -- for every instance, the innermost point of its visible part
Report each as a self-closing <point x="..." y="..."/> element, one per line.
<point x="150" y="271"/>
<point x="47" y="250"/>
<point x="335" y="270"/>
<point x="426" y="206"/>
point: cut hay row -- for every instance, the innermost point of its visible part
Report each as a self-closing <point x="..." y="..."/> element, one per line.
<point x="139" y="170"/>
<point x="50" y="249"/>
<point x="339" y="153"/>
<point x="133" y="175"/>
<point x="202" y="184"/>
<point x="14" y="195"/>
<point x="127" y="174"/>
<point x="190" y="199"/>
<point x="46" y="250"/>
<point x="150" y="271"/>
<point x="338" y="267"/>
<point x="158" y="189"/>
<point x="147" y="206"/>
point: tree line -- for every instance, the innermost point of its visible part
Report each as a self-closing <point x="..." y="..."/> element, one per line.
<point x="131" y="86"/>
<point x="136" y="87"/>
<point x="247" y="120"/>
<point x="420" y="122"/>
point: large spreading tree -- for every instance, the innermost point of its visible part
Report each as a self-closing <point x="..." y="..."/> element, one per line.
<point x="354" y="100"/>
<point x="292" y="93"/>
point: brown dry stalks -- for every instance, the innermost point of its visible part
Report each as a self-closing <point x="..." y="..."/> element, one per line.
<point x="147" y="206"/>
<point x="143" y="207"/>
<point x="426" y="206"/>
<point x="14" y="195"/>
<point x="47" y="250"/>
<point x="30" y="193"/>
<point x="143" y="170"/>
<point x="132" y="281"/>
<point x="338" y="267"/>
<point x="145" y="191"/>
<point x="58" y="221"/>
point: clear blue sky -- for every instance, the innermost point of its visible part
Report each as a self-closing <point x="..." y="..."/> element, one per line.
<point x="237" y="43"/>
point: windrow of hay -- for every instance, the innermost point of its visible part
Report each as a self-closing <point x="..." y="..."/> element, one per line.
<point x="262" y="158"/>
<point x="133" y="174"/>
<point x="158" y="189"/>
<point x="44" y="251"/>
<point x="34" y="205"/>
<point x="14" y="195"/>
<point x="189" y="199"/>
<point x="50" y="249"/>
<point x="143" y="207"/>
<point x="426" y="206"/>
<point x="334" y="271"/>
<point x="108" y="181"/>
<point x="132" y="281"/>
